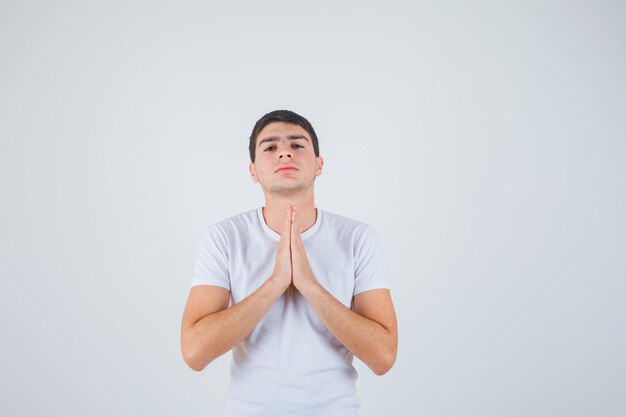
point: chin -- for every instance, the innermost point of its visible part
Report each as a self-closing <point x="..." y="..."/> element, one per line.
<point x="288" y="187"/>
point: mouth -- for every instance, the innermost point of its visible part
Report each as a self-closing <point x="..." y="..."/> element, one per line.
<point x="286" y="169"/>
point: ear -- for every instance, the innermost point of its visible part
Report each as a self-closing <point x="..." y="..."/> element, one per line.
<point x="320" y="165"/>
<point x="253" y="172"/>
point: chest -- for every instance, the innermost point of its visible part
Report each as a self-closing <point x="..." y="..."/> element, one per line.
<point x="252" y="263"/>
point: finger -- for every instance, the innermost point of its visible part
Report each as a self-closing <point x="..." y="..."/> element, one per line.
<point x="286" y="225"/>
<point x="294" y="226"/>
<point x="296" y="237"/>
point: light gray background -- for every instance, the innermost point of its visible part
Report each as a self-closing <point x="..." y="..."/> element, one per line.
<point x="485" y="141"/>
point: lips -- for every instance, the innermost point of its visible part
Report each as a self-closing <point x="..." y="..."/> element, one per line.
<point x="286" y="168"/>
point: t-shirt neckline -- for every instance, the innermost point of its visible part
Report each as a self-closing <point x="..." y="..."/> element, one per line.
<point x="276" y="236"/>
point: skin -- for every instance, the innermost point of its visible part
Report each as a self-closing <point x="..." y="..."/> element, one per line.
<point x="210" y="327"/>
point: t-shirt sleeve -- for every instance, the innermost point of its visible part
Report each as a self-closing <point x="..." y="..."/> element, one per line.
<point x="212" y="260"/>
<point x="370" y="269"/>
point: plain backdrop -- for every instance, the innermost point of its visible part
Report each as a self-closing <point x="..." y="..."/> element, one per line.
<point x="484" y="141"/>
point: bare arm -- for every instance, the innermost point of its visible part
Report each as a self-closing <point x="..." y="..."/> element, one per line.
<point x="370" y="332"/>
<point x="210" y="328"/>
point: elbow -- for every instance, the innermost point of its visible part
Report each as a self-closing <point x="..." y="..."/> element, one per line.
<point x="193" y="358"/>
<point x="383" y="367"/>
<point x="194" y="364"/>
<point x="385" y="362"/>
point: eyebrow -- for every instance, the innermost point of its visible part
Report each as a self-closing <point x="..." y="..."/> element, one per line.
<point x="275" y="138"/>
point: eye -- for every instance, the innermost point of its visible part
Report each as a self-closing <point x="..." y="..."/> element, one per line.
<point x="269" y="148"/>
<point x="298" y="145"/>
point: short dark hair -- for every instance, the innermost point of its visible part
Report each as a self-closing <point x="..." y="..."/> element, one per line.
<point x="286" y="116"/>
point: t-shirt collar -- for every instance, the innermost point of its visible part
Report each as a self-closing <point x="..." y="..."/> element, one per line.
<point x="276" y="236"/>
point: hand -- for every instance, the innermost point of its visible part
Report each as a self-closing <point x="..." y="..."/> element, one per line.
<point x="282" y="268"/>
<point x="301" y="271"/>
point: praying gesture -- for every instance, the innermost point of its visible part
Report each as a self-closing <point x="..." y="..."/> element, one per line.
<point x="292" y="265"/>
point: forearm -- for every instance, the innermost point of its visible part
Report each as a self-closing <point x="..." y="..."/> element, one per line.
<point x="367" y="339"/>
<point x="217" y="333"/>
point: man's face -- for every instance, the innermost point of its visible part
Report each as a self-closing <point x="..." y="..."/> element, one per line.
<point x="285" y="160"/>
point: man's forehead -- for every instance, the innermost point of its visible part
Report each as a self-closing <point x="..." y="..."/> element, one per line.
<point x="283" y="127"/>
<point x="278" y="130"/>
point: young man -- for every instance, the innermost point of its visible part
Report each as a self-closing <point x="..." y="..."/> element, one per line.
<point x="309" y="290"/>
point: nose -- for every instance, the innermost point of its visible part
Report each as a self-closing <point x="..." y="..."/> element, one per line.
<point x="284" y="152"/>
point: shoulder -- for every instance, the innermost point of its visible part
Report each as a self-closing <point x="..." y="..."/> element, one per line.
<point x="347" y="227"/>
<point x="239" y="221"/>
<point x="233" y="226"/>
<point x="336" y="220"/>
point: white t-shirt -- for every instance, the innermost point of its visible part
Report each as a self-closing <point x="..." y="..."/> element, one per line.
<point x="291" y="364"/>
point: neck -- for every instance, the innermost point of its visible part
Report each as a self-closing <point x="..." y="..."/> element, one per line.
<point x="275" y="210"/>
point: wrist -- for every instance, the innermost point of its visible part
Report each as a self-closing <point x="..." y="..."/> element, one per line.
<point x="308" y="287"/>
<point x="279" y="283"/>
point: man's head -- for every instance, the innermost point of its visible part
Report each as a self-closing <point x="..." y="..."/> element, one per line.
<point x="285" y="116"/>
<point x="285" y="154"/>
